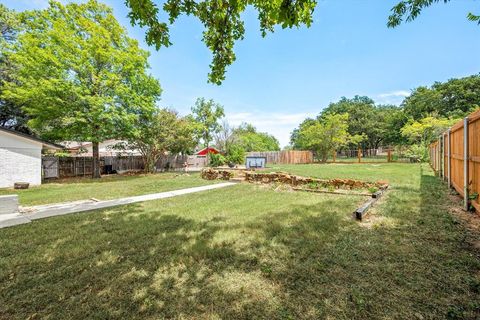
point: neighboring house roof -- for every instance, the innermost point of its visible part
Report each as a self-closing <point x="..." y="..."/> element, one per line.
<point x="45" y="144"/>
<point x="72" y="145"/>
<point x="106" y="148"/>
<point x="203" y="152"/>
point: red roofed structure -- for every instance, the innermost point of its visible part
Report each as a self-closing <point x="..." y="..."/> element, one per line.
<point x="204" y="151"/>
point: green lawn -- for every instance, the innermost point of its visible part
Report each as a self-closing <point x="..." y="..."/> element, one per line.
<point x="108" y="187"/>
<point x="355" y="159"/>
<point x="396" y="173"/>
<point x="250" y="252"/>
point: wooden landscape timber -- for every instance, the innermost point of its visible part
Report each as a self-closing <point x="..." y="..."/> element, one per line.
<point x="334" y="192"/>
<point x="362" y="211"/>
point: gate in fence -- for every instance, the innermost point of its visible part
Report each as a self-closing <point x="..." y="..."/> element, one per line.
<point x="455" y="157"/>
<point x="50" y="167"/>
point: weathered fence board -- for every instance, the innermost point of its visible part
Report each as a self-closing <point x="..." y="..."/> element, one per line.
<point x="64" y="167"/>
<point x="284" y="157"/>
<point x="456" y="158"/>
<point x="171" y="162"/>
<point x="50" y="167"/>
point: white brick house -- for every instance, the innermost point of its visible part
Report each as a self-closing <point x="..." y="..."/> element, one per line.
<point x="21" y="158"/>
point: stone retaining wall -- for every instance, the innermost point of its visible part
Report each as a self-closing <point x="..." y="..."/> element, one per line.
<point x="213" y="174"/>
<point x="294" y="180"/>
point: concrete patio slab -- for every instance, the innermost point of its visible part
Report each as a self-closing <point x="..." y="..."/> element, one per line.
<point x="12" y="219"/>
<point x="8" y="204"/>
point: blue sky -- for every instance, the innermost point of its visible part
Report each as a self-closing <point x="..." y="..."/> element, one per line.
<point x="279" y="80"/>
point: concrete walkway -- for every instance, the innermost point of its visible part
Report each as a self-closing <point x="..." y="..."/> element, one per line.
<point x="58" y="209"/>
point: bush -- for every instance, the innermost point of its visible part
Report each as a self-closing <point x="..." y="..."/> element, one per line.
<point x="217" y="160"/>
<point x="418" y="151"/>
<point x="235" y="155"/>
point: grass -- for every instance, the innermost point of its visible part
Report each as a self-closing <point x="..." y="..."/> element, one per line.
<point x="249" y="252"/>
<point x="355" y="159"/>
<point x="108" y="187"/>
<point x="396" y="173"/>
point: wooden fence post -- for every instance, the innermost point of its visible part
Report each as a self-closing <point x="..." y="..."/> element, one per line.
<point x="444" y="150"/>
<point x="465" y="163"/>
<point x="389" y="155"/>
<point x="440" y="156"/>
<point x="437" y="156"/>
<point x="334" y="155"/>
<point x="359" y="155"/>
<point x="449" y="157"/>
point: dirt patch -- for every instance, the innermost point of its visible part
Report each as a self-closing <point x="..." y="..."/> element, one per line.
<point x="470" y="219"/>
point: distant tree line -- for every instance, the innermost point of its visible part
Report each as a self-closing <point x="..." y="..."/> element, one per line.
<point x="419" y="119"/>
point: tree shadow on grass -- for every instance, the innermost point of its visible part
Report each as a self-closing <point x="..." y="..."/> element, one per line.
<point x="149" y="266"/>
<point x="304" y="261"/>
<point x="457" y="262"/>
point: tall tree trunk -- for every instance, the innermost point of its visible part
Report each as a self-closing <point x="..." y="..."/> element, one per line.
<point x="145" y="163"/>
<point x="96" y="161"/>
<point x="152" y="163"/>
<point x="208" y="156"/>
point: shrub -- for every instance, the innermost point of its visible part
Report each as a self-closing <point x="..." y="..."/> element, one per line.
<point x="217" y="160"/>
<point x="418" y="151"/>
<point x="235" y="155"/>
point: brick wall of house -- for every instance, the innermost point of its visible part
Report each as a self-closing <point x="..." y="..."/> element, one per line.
<point x="20" y="160"/>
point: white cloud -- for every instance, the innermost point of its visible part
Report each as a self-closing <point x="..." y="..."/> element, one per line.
<point x="394" y="97"/>
<point x="399" y="93"/>
<point x="278" y="124"/>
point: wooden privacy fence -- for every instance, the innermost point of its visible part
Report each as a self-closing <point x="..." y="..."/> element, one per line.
<point x="64" y="167"/>
<point x="455" y="157"/>
<point x="284" y="157"/>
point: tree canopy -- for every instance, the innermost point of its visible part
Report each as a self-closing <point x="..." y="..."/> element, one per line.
<point x="415" y="123"/>
<point x="427" y="129"/>
<point x="453" y="98"/>
<point x="207" y="114"/>
<point x="11" y="114"/>
<point x="409" y="10"/>
<point x="365" y="118"/>
<point x="78" y="75"/>
<point x="422" y="132"/>
<point x="249" y="139"/>
<point x="222" y="22"/>
<point x="326" y="134"/>
<point x="160" y="133"/>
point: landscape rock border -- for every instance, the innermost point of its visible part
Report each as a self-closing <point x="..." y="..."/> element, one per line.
<point x="293" y="180"/>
